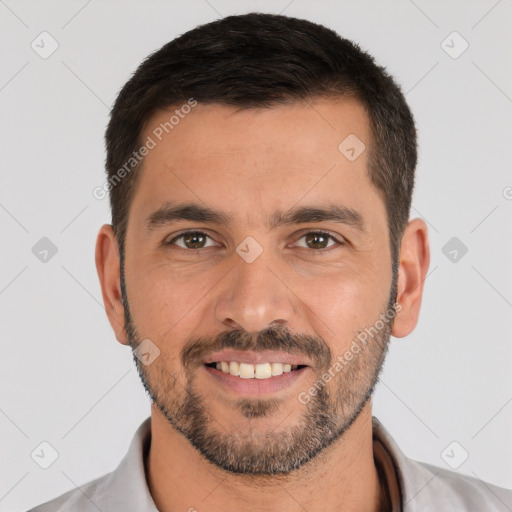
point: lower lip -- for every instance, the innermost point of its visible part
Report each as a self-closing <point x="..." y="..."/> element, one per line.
<point x="256" y="386"/>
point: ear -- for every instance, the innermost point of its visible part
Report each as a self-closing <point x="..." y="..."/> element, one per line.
<point x="109" y="272"/>
<point x="413" y="267"/>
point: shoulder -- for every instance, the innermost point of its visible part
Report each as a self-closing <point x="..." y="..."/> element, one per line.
<point x="124" y="489"/>
<point x="86" y="498"/>
<point x="426" y="485"/>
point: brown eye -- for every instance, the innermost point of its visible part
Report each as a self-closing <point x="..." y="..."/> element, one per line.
<point x="191" y="240"/>
<point x="318" y="240"/>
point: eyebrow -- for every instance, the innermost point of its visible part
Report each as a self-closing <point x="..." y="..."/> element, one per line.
<point x="171" y="212"/>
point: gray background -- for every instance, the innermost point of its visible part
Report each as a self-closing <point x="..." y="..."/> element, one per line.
<point x="65" y="379"/>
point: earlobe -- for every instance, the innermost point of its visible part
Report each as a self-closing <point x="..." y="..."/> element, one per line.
<point x="413" y="268"/>
<point x="109" y="273"/>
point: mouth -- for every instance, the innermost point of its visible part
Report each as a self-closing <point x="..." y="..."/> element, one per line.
<point x="254" y="371"/>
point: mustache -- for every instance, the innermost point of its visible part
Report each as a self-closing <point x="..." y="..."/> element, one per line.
<point x="272" y="338"/>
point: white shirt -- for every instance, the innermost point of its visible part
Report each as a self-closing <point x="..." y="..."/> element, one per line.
<point x="413" y="486"/>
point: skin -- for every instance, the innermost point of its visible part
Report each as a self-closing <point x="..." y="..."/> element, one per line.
<point x="249" y="164"/>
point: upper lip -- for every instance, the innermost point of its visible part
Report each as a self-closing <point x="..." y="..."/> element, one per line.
<point x="251" y="357"/>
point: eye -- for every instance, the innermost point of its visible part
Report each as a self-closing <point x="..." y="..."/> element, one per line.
<point x="191" y="240"/>
<point x="199" y="240"/>
<point x="319" y="240"/>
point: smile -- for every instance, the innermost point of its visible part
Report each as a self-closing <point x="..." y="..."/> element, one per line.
<point x="254" y="371"/>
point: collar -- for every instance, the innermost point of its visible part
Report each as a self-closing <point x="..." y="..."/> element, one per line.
<point x="132" y="492"/>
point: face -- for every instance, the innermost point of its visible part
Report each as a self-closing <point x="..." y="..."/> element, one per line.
<point x="252" y="241"/>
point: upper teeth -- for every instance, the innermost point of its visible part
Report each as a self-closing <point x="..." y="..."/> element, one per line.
<point x="251" y="371"/>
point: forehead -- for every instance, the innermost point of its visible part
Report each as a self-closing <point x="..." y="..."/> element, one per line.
<point x="306" y="128"/>
<point x="264" y="158"/>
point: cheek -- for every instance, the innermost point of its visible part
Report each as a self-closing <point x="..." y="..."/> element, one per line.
<point x="346" y="303"/>
<point x="162" y="302"/>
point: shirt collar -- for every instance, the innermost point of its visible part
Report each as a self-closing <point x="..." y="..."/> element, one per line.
<point x="130" y="475"/>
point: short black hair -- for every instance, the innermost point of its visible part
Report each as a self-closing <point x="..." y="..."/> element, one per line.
<point x="260" y="60"/>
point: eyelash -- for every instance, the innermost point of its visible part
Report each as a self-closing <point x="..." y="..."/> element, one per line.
<point x="315" y="232"/>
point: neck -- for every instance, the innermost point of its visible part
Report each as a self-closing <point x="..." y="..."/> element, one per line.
<point x="342" y="477"/>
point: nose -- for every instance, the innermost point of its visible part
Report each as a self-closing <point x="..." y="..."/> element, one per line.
<point x="254" y="296"/>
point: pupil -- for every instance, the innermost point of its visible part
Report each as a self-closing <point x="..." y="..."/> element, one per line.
<point x="191" y="240"/>
<point x="317" y="236"/>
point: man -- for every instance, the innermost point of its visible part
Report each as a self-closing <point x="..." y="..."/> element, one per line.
<point x="261" y="172"/>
